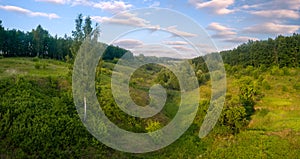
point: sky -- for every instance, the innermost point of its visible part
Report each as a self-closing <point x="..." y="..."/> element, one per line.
<point x="227" y="23"/>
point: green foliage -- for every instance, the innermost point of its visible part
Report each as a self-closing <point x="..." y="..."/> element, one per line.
<point x="275" y="70"/>
<point x="297" y="86"/>
<point x="37" y="65"/>
<point x="266" y="85"/>
<point x="280" y="52"/>
<point x="247" y="95"/>
<point x="167" y="79"/>
<point x="233" y="116"/>
<point x="113" y="52"/>
<point x="263" y="112"/>
<point x="37" y="120"/>
<point x="153" y="126"/>
<point x="35" y="59"/>
<point x="36" y="43"/>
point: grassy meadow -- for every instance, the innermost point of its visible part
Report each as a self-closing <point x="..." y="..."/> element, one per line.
<point x="39" y="119"/>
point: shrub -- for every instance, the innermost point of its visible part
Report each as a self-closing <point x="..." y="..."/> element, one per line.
<point x="284" y="88"/>
<point x="1" y="56"/>
<point x="35" y="59"/>
<point x="286" y="71"/>
<point x="266" y="85"/>
<point x="234" y="117"/>
<point x="37" y="65"/>
<point x="297" y="86"/>
<point x="151" y="127"/>
<point x="275" y="70"/>
<point x="247" y="96"/>
<point x="44" y="65"/>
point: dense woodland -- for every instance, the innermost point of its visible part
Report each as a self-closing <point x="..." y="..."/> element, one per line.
<point x="283" y="51"/>
<point x="39" y="43"/>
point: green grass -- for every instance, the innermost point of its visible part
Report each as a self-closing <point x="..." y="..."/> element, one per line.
<point x="27" y="67"/>
<point x="256" y="144"/>
<point x="273" y="131"/>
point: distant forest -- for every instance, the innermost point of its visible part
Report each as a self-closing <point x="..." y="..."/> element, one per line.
<point x="39" y="43"/>
<point x="281" y="51"/>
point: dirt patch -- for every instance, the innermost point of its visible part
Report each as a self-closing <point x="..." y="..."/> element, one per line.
<point x="283" y="134"/>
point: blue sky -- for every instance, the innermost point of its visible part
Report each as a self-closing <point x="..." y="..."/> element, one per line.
<point x="228" y="22"/>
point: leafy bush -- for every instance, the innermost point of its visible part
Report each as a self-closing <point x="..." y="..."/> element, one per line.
<point x="233" y="116"/>
<point x="35" y="59"/>
<point x="284" y="88"/>
<point x="44" y="65"/>
<point x="297" y="86"/>
<point x="248" y="92"/>
<point x="276" y="71"/>
<point x="266" y="85"/>
<point x="39" y="121"/>
<point x="37" y="65"/>
<point x="286" y="71"/>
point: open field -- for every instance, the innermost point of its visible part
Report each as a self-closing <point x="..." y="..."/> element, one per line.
<point x="273" y="131"/>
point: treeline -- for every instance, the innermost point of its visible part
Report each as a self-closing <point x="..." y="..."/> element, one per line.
<point x="39" y="43"/>
<point x="281" y="51"/>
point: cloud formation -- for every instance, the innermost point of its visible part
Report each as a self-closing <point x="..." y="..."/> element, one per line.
<point x="227" y="34"/>
<point x="126" y="18"/>
<point x="175" y="42"/>
<point x="279" y="14"/>
<point x="221" y="31"/>
<point x="272" y="28"/>
<point x="28" y="12"/>
<point x="128" y="44"/>
<point x="113" y="6"/>
<point x="54" y="1"/>
<point x="216" y="6"/>
<point x="176" y="32"/>
<point x="130" y="19"/>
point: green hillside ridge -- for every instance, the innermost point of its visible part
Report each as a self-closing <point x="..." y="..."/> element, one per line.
<point x="35" y="104"/>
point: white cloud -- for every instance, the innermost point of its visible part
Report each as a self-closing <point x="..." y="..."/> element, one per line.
<point x="176" y="32"/>
<point x="175" y="42"/>
<point x="240" y="39"/>
<point x="227" y="34"/>
<point x="293" y="4"/>
<point x="82" y="3"/>
<point x="130" y="19"/>
<point x="126" y="18"/>
<point x="274" y="5"/>
<point x="282" y="14"/>
<point x="250" y="6"/>
<point x="216" y="6"/>
<point x="155" y="4"/>
<point x="54" y="1"/>
<point x="183" y="48"/>
<point x="221" y="31"/>
<point x="112" y="6"/>
<point x="128" y="44"/>
<point x="28" y="12"/>
<point x="272" y="28"/>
